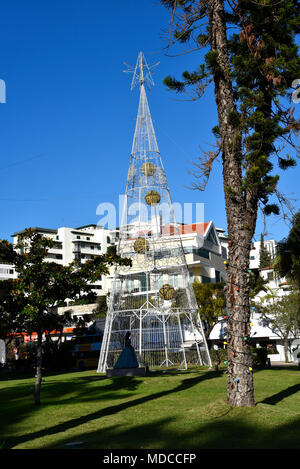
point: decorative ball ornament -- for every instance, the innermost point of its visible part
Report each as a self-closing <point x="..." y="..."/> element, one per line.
<point x="148" y="169"/>
<point x="166" y="292"/>
<point x="141" y="245"/>
<point x="152" y="198"/>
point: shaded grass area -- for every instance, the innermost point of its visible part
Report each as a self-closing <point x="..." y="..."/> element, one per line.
<point x="164" y="410"/>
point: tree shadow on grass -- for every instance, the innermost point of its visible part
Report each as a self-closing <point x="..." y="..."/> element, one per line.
<point x="273" y="400"/>
<point x="111" y="410"/>
<point x="110" y="390"/>
<point x="165" y="434"/>
<point x="17" y="401"/>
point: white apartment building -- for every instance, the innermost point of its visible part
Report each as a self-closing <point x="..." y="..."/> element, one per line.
<point x="205" y="249"/>
<point x="204" y="245"/>
<point x="7" y="271"/>
<point x="261" y="331"/>
<point x="76" y="243"/>
<point x="271" y="247"/>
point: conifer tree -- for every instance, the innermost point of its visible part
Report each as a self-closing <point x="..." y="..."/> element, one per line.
<point x="265" y="259"/>
<point x="251" y="59"/>
<point x="288" y="257"/>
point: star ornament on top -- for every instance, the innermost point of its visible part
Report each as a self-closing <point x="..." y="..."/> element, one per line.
<point x="142" y="72"/>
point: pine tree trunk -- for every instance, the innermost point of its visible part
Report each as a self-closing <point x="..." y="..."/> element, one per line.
<point x="241" y="212"/>
<point x="240" y="388"/>
<point x="38" y="381"/>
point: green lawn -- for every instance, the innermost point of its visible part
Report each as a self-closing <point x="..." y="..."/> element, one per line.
<point x="165" y="410"/>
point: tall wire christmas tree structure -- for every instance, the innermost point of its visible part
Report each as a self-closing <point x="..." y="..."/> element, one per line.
<point x="154" y="298"/>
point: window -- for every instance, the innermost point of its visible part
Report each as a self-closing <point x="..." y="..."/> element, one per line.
<point x="218" y="277"/>
<point x="173" y="280"/>
<point x="77" y="237"/>
<point x="88" y="238"/>
<point x="199" y="252"/>
<point x="270" y="275"/>
<point x="129" y="285"/>
<point x="157" y="281"/>
<point x="143" y="282"/>
<point x="203" y="253"/>
<point x="108" y="239"/>
<point x="6" y="271"/>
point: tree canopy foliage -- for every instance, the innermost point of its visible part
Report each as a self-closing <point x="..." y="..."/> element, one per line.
<point x="29" y="302"/>
<point x="211" y="302"/>
<point x="265" y="259"/>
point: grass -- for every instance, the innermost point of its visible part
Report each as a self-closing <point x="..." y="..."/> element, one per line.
<point x="165" y="410"/>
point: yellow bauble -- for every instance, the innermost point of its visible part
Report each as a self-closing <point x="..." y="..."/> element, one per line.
<point x="141" y="245"/>
<point x="166" y="292"/>
<point x="148" y="169"/>
<point x="152" y="198"/>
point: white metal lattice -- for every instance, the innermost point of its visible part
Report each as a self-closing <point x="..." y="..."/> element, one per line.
<point x="153" y="298"/>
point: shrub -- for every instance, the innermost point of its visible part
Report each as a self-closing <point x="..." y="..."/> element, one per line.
<point x="259" y="356"/>
<point x="218" y="356"/>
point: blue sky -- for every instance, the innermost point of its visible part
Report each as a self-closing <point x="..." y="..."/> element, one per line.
<point x="68" y="121"/>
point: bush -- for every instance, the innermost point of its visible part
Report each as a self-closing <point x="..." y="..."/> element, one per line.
<point x="259" y="356"/>
<point x="218" y="356"/>
<point x="26" y="353"/>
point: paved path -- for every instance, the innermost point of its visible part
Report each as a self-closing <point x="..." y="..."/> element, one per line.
<point x="284" y="364"/>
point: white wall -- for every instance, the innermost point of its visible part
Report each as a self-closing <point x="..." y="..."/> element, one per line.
<point x="7" y="271"/>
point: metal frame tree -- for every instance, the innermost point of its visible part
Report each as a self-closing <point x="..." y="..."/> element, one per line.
<point x="143" y="298"/>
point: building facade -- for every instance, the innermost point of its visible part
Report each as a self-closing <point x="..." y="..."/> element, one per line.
<point x="262" y="334"/>
<point x="7" y="271"/>
<point x="205" y="249"/>
<point x="80" y="243"/>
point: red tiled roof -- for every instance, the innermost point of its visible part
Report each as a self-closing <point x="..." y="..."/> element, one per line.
<point x="199" y="228"/>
